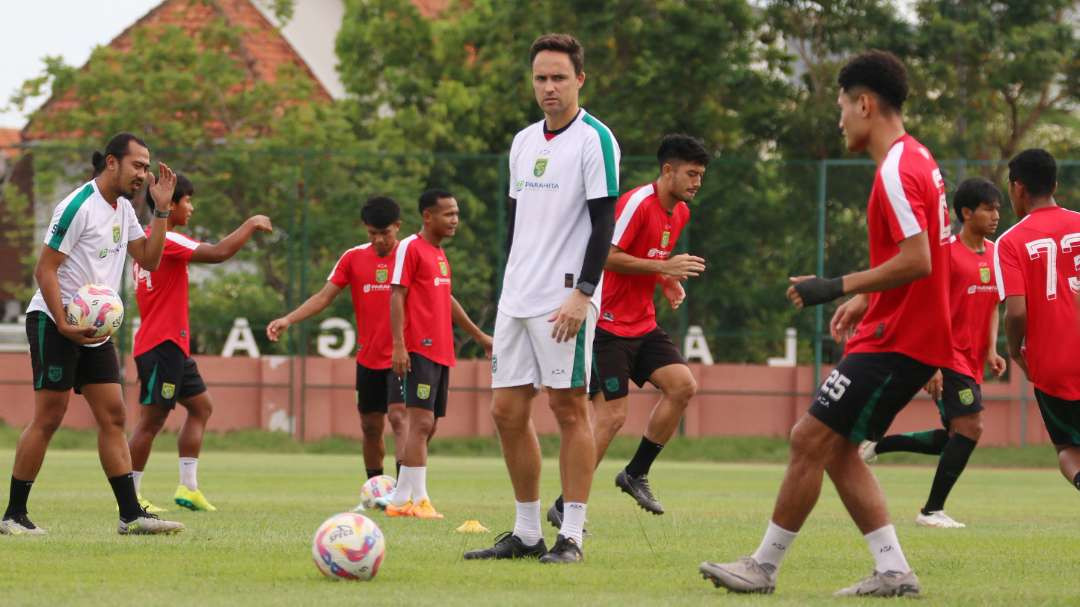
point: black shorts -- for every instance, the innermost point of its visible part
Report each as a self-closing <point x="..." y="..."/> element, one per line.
<point x="377" y="389"/>
<point x="1062" y="419"/>
<point x="617" y="360"/>
<point x="862" y="396"/>
<point x="427" y="385"/>
<point x="167" y="375"/>
<point x="960" y="395"/>
<point x="61" y="364"/>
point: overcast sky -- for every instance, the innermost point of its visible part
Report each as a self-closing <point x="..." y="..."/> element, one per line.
<point x="34" y="29"/>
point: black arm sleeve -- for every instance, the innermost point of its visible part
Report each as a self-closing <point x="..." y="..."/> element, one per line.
<point x="511" y="213"/>
<point x="602" y="215"/>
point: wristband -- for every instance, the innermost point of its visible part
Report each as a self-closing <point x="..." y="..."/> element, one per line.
<point x="161" y="214"/>
<point x="586" y="288"/>
<point x="816" y="290"/>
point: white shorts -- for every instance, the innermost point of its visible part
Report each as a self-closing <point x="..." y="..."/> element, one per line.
<point x="525" y="353"/>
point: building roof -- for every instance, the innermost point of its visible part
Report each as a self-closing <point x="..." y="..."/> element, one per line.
<point x="9" y="140"/>
<point x="264" y="48"/>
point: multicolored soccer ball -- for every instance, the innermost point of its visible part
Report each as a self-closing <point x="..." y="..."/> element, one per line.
<point x="348" y="546"/>
<point x="96" y="307"/>
<point x="376" y="486"/>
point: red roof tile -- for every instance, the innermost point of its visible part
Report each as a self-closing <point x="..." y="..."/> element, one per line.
<point x="264" y="48"/>
<point x="9" y="139"/>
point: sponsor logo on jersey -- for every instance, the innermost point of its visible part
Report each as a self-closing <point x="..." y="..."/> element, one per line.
<point x="665" y="238"/>
<point x="967" y="396"/>
<point x="102" y="254"/>
<point x="168" y="390"/>
<point x="382" y="275"/>
<point x="423" y="391"/>
<point x="426" y="342"/>
<point x="519" y="185"/>
<point x="116" y="233"/>
<point x="608" y="316"/>
<point x="540" y="167"/>
<point x="984" y="275"/>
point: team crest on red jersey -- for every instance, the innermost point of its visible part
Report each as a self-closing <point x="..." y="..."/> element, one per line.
<point x="382" y="275"/>
<point x="665" y="238"/>
<point x="984" y="275"/>
<point x="443" y="268"/>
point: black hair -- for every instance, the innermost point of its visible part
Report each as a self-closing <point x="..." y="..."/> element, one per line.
<point x="118" y="147"/>
<point x="1036" y="169"/>
<point x="560" y="43"/>
<point x="184" y="187"/>
<point x="682" y="148"/>
<point x="379" y="212"/>
<point x="431" y="198"/>
<point x="972" y="192"/>
<point x="881" y="72"/>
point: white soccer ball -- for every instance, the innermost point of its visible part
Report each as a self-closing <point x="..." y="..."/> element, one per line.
<point x="96" y="307"/>
<point x="376" y="486"/>
<point x="348" y="546"/>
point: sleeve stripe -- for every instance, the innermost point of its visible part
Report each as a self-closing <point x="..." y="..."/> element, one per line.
<point x="342" y="258"/>
<point x="607" y="146"/>
<point x="632" y="205"/>
<point x="399" y="259"/>
<point x="69" y="215"/>
<point x="181" y="240"/>
<point x="894" y="190"/>
<point x="998" y="278"/>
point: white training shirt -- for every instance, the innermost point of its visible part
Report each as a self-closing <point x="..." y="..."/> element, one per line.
<point x="94" y="237"/>
<point x="551" y="182"/>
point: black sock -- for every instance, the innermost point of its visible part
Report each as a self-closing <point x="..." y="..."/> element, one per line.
<point x="20" y="492"/>
<point x="398" y="470"/>
<point x="1076" y="480"/>
<point x="558" y="503"/>
<point x="954" y="458"/>
<point x="930" y="442"/>
<point x="372" y="472"/>
<point x="123" y="487"/>
<point x="643" y="459"/>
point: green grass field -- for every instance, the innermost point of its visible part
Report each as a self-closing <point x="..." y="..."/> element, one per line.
<point x="1021" y="546"/>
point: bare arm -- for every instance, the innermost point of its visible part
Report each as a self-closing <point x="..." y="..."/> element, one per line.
<point x="47" y="280"/>
<point x="1016" y="327"/>
<point x="231" y="244"/>
<point x="911" y="263"/>
<point x="461" y="319"/>
<point x="997" y="362"/>
<point x="314" y="304"/>
<point x="679" y="266"/>
<point x="148" y="254"/>
<point x="400" y="360"/>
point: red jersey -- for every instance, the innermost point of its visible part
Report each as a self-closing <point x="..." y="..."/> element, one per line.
<point x="368" y="278"/>
<point x="1038" y="259"/>
<point x="423" y="269"/>
<point x="908" y="197"/>
<point x="645" y="230"/>
<point x="162" y="296"/>
<point x="973" y="299"/>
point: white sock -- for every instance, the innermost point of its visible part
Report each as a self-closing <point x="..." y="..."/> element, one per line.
<point x="885" y="548"/>
<point x="403" y="490"/>
<point x="419" y="484"/>
<point x="189" y="470"/>
<point x="527" y="522"/>
<point x="573" y="521"/>
<point x="137" y="476"/>
<point x="774" y="545"/>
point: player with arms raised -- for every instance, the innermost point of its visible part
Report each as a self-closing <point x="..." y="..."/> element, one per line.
<point x="1036" y="262"/>
<point x="902" y="334"/>
<point x="366" y="269"/>
<point x="957" y="389"/>
<point x="167" y="373"/>
<point x="91" y="233"/>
